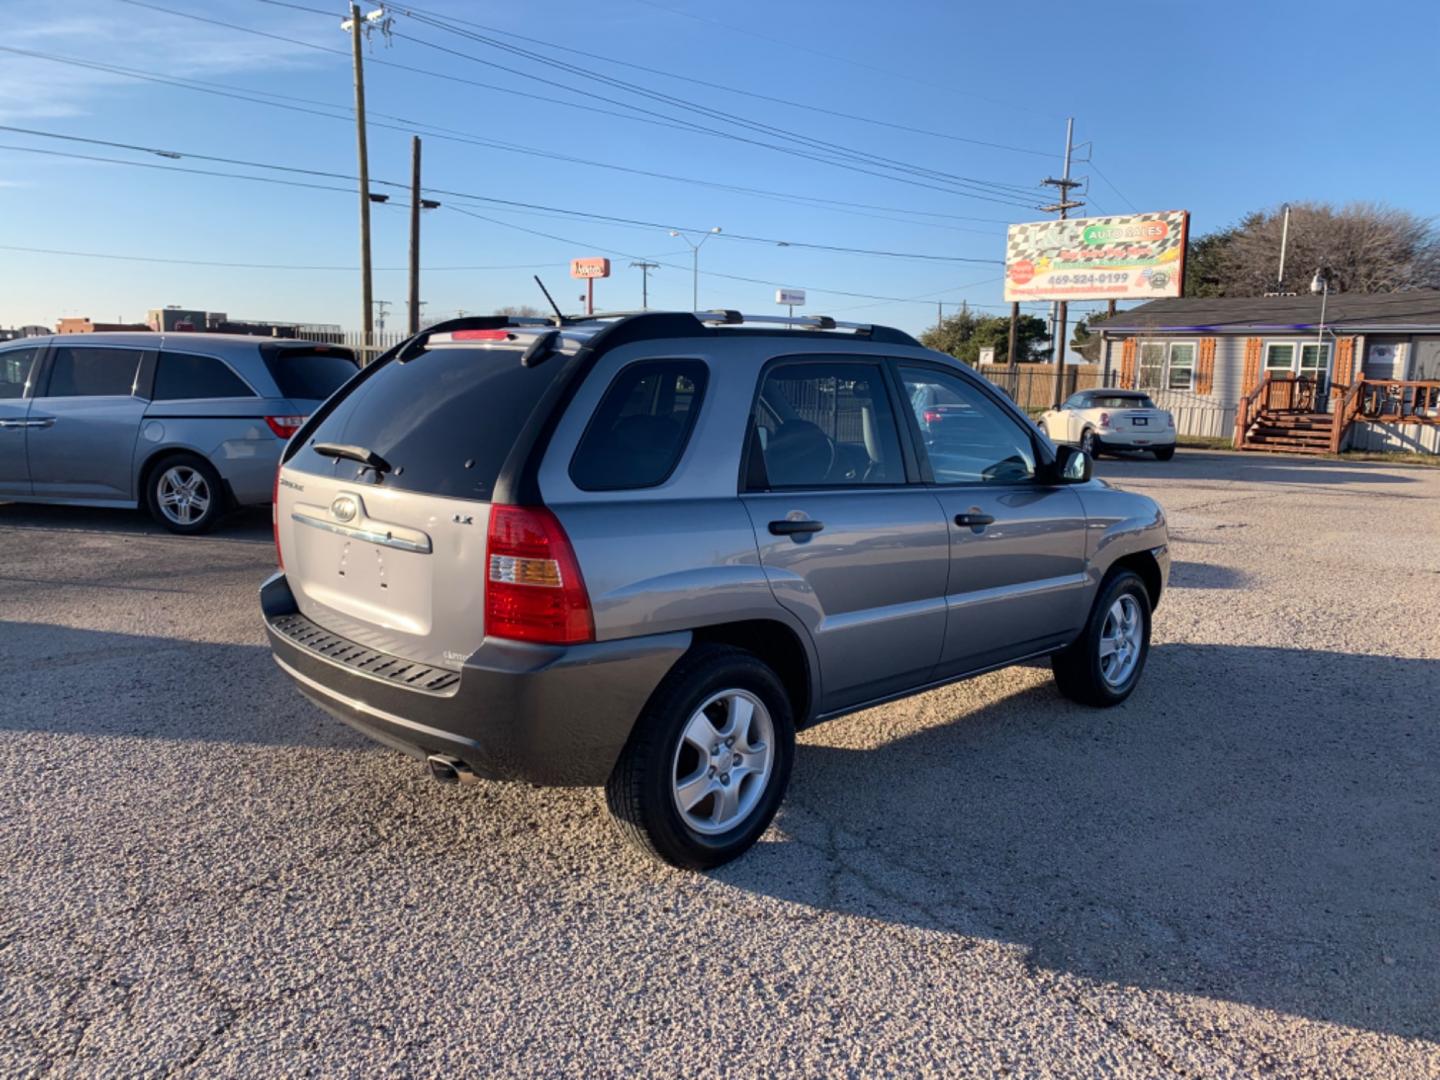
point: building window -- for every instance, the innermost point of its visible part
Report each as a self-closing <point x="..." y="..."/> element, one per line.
<point x="1167" y="365"/>
<point x="1280" y="357"/>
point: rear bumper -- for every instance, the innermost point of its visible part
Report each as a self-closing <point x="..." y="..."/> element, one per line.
<point x="554" y="715"/>
<point x="1138" y="439"/>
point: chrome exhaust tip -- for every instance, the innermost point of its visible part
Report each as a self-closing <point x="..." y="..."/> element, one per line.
<point x="450" y="770"/>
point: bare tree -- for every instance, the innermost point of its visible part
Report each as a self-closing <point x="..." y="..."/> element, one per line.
<point x="519" y="311"/>
<point x="1367" y="247"/>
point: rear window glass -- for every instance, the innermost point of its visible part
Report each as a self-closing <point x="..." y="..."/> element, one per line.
<point x="309" y="374"/>
<point x="1120" y="401"/>
<point x="444" y="421"/>
<point x="83" y="371"/>
<point x="180" y="376"/>
<point x="641" y="427"/>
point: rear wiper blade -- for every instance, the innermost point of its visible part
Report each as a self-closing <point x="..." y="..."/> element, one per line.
<point x="365" y="457"/>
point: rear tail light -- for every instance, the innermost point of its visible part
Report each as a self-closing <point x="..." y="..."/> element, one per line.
<point x="285" y="426"/>
<point x="1104" y="419"/>
<point x="534" y="590"/>
<point x="1169" y="419"/>
<point x="931" y="416"/>
<point x="275" y="518"/>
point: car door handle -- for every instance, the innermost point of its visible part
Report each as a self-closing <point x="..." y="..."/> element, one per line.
<point x="13" y="424"/>
<point x="974" y="521"/>
<point x="793" y="528"/>
<point x="48" y="421"/>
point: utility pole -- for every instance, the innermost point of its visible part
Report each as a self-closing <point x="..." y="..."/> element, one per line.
<point x="1063" y="206"/>
<point x="413" y="322"/>
<point x="367" y="317"/>
<point x="381" y="307"/>
<point x="645" y="268"/>
<point x="1010" y="360"/>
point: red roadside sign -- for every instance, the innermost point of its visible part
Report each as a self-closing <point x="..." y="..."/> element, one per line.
<point x="589" y="268"/>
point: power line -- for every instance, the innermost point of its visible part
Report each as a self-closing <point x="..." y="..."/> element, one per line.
<point x="589" y="93"/>
<point x="258" y="266"/>
<point x="725" y="116"/>
<point x="325" y="174"/>
<point x="703" y="273"/>
<point x="791" y="45"/>
<point x="455" y="135"/>
<point x="1121" y="195"/>
<point x="704" y="82"/>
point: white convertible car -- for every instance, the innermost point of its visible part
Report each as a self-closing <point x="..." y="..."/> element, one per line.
<point x="1101" y="420"/>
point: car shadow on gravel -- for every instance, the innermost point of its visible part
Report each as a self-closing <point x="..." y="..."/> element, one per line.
<point x="1258" y="825"/>
<point x="61" y="680"/>
<point x="247" y="523"/>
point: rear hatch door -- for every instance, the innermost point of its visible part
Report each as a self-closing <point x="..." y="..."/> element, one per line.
<point x="392" y="554"/>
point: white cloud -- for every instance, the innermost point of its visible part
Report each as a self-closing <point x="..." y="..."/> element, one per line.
<point x="32" y="88"/>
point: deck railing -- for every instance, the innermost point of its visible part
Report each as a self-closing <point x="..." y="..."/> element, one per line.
<point x="1399" y="401"/>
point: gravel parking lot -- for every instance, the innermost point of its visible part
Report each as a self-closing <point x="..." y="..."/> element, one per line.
<point x="1237" y="873"/>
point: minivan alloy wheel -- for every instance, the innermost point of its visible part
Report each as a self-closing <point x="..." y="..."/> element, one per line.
<point x="184" y="494"/>
<point x="723" y="762"/>
<point x="1120" y="640"/>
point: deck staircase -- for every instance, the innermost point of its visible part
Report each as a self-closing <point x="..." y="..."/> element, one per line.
<point x="1289" y="432"/>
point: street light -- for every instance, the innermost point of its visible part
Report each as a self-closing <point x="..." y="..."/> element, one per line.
<point x="695" y="254"/>
<point x="1320" y="283"/>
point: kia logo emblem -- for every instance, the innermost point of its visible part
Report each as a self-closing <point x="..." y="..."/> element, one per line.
<point x="344" y="508"/>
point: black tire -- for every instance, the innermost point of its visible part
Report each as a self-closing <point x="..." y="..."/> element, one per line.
<point x="641" y="790"/>
<point x="1164" y="453"/>
<point x="1090" y="443"/>
<point x="1079" y="670"/>
<point x="160" y="485"/>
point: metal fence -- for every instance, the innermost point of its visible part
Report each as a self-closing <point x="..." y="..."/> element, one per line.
<point x="1032" y="387"/>
<point x="380" y="340"/>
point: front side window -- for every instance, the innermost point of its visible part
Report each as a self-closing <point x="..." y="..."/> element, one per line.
<point x="825" y="424"/>
<point x="180" y="376"/>
<point x="641" y="426"/>
<point x="89" y="371"/>
<point x="968" y="438"/>
<point x="15" y="368"/>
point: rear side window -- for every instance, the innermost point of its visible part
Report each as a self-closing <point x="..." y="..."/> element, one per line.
<point x="87" y="371"/>
<point x="444" y="421"/>
<point x="179" y="376"/>
<point x="820" y="425"/>
<point x="309" y="374"/>
<point x="15" y="368"/>
<point x="638" y="433"/>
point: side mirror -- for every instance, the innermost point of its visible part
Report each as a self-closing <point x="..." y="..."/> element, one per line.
<point x="1072" y="466"/>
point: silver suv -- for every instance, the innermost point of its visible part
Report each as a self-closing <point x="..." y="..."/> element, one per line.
<point x="640" y="551"/>
<point x="188" y="425"/>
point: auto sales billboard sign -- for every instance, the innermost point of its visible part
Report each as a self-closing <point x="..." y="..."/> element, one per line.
<point x="1128" y="257"/>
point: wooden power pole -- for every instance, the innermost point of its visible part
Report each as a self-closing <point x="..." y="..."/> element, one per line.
<point x="413" y="324"/>
<point x="367" y="319"/>
<point x="1064" y="204"/>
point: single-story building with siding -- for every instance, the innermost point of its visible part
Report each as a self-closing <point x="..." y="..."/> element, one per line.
<point x="1371" y="373"/>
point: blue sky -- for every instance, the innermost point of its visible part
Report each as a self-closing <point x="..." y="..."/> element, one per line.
<point x="1218" y="108"/>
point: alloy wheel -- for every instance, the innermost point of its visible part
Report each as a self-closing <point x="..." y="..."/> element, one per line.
<point x="723" y="762"/>
<point x="1120" y="641"/>
<point x="184" y="494"/>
